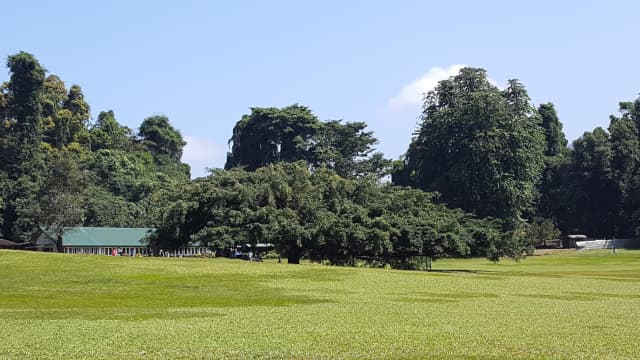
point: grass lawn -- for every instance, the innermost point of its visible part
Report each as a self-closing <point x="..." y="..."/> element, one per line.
<point x="575" y="305"/>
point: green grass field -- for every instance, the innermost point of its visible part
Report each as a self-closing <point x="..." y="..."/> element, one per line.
<point x="577" y="305"/>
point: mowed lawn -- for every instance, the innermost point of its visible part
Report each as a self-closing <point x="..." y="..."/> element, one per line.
<point x="575" y="305"/>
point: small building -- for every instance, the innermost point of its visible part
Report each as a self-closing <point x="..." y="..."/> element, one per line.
<point x="569" y="241"/>
<point x="99" y="241"/>
<point x="110" y="241"/>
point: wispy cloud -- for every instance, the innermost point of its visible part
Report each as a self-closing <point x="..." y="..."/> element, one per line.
<point x="201" y="153"/>
<point x="411" y="94"/>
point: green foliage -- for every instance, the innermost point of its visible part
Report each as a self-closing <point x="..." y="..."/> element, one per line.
<point x="346" y="149"/>
<point x="55" y="122"/>
<point x="25" y="93"/>
<point x="557" y="155"/>
<point x="595" y="188"/>
<point x="478" y="146"/>
<point x="539" y="231"/>
<point x="294" y="133"/>
<point x="107" y="133"/>
<point x="104" y="209"/>
<point x="60" y="200"/>
<point x="600" y="186"/>
<point x="556" y="142"/>
<point x="56" y="171"/>
<point x="161" y="138"/>
<point x="591" y="171"/>
<point x="270" y="135"/>
<point x="123" y="173"/>
<point x="322" y="216"/>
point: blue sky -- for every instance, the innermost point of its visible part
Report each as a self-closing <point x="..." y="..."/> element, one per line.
<point x="205" y="63"/>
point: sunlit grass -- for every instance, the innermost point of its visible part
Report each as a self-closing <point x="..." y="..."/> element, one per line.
<point x="579" y="305"/>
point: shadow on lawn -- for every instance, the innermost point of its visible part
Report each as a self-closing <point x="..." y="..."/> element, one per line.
<point x="147" y="296"/>
<point x="460" y="271"/>
<point x="580" y="296"/>
<point x="435" y="297"/>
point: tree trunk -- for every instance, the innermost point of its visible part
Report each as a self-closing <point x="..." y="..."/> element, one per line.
<point x="59" y="244"/>
<point x="293" y="259"/>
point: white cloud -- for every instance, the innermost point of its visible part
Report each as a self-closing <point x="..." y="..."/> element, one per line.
<point x="201" y="153"/>
<point x="200" y="149"/>
<point x="411" y="94"/>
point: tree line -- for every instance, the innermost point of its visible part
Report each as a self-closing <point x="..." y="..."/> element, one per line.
<point x="490" y="152"/>
<point x="59" y="169"/>
<point x="486" y="174"/>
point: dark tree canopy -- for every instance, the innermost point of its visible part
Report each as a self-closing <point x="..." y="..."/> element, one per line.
<point x="161" y="138"/>
<point x="557" y="155"/>
<point x="600" y="186"/>
<point x="590" y="200"/>
<point x="556" y="142"/>
<point x="594" y="187"/>
<point x="270" y="135"/>
<point x="25" y="91"/>
<point x="323" y="216"/>
<point x="477" y="145"/>
<point x="294" y="133"/>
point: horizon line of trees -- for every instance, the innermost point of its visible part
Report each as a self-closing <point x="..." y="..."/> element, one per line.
<point x="486" y="173"/>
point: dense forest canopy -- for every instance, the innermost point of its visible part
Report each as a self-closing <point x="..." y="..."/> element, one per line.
<point x="58" y="169"/>
<point x="487" y="173"/>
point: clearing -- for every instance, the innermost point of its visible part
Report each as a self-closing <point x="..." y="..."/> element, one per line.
<point x="572" y="305"/>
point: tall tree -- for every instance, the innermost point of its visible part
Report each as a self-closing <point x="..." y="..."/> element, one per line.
<point x="25" y="91"/>
<point x="625" y="166"/>
<point x="270" y="135"/>
<point x="161" y="138"/>
<point x="55" y="124"/>
<point x="24" y="161"/>
<point x="78" y="112"/>
<point x="65" y="114"/>
<point x="480" y="147"/>
<point x="590" y="187"/>
<point x="556" y="141"/>
<point x="557" y="155"/>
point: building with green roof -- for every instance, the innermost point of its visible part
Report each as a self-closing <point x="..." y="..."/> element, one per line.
<point x="108" y="241"/>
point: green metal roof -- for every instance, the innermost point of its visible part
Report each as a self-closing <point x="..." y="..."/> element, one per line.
<point x="106" y="237"/>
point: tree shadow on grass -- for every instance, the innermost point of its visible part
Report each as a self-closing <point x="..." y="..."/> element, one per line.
<point x="462" y="271"/>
